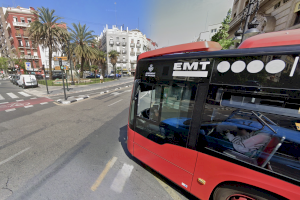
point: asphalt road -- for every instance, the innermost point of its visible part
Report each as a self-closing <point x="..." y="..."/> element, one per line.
<point x="75" y="151"/>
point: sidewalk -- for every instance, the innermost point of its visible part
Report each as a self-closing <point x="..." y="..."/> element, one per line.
<point x="41" y="91"/>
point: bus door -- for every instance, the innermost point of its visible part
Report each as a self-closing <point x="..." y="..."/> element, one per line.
<point x="162" y="124"/>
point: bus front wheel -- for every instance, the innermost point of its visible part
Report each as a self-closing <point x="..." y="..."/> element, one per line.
<point x="241" y="192"/>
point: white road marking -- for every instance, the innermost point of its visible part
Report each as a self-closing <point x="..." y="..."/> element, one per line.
<point x="1" y="97"/>
<point x="115" y="102"/>
<point x="9" y="110"/>
<point x="115" y="93"/>
<point x="33" y="98"/>
<point x="24" y="94"/>
<point x="3" y="102"/>
<point x="120" y="179"/>
<point x="12" y="157"/>
<point x="28" y="106"/>
<point x="20" y="100"/>
<point x="12" y="95"/>
<point x="44" y="103"/>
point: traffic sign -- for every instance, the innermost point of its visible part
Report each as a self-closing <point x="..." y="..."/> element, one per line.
<point x="16" y="66"/>
<point x="22" y="70"/>
<point x="28" y="65"/>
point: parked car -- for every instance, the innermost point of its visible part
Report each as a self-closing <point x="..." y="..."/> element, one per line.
<point x="93" y="76"/>
<point x="27" y="80"/>
<point x="39" y="77"/>
<point x="57" y="76"/>
<point x="11" y="77"/>
<point x="15" y="79"/>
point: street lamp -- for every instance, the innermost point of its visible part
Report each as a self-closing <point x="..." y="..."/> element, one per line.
<point x="250" y="9"/>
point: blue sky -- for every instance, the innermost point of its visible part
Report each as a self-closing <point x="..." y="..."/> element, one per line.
<point x="167" y="22"/>
<point x="94" y="13"/>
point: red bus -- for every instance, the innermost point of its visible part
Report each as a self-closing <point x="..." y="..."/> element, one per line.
<point x="221" y="124"/>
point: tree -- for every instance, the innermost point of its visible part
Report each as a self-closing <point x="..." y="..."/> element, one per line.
<point x="113" y="55"/>
<point x="20" y="62"/>
<point x="4" y="64"/>
<point x="222" y="34"/>
<point x="94" y="68"/>
<point x="81" y="40"/>
<point x="46" y="31"/>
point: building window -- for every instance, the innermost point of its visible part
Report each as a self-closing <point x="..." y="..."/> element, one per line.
<point x="22" y="20"/>
<point x="138" y="49"/>
<point x="247" y="2"/>
<point x="212" y="30"/>
<point x="132" y="40"/>
<point x="123" y="39"/>
<point x="277" y="5"/>
<point x="117" y="38"/>
<point x="15" y="19"/>
<point x="234" y="15"/>
<point x="29" y="20"/>
<point x="138" y="42"/>
<point x="132" y="50"/>
<point x="20" y="43"/>
<point x="27" y="43"/>
<point x="297" y="20"/>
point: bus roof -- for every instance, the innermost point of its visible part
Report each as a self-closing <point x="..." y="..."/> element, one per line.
<point x="182" y="48"/>
<point x="279" y="38"/>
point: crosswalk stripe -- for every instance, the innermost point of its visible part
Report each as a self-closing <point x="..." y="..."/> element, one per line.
<point x="24" y="94"/>
<point x="12" y="95"/>
<point x="1" y="97"/>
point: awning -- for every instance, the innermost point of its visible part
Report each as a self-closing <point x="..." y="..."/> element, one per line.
<point x="297" y="7"/>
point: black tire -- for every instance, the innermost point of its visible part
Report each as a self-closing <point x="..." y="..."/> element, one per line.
<point x="227" y="190"/>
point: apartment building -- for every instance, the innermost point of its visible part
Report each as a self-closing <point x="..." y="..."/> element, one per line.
<point x="273" y="15"/>
<point x="16" y="43"/>
<point x="128" y="43"/>
<point x="211" y="31"/>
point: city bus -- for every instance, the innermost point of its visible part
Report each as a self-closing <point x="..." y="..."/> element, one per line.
<point x="221" y="124"/>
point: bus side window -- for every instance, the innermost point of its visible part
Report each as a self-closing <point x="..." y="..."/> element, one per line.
<point x="164" y="113"/>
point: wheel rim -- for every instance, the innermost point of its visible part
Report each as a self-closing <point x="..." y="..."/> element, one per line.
<point x="239" y="197"/>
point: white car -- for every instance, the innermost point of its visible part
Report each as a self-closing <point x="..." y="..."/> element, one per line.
<point x="27" y="80"/>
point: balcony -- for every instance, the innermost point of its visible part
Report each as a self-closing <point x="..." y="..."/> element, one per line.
<point x="124" y="43"/>
<point x="27" y="56"/>
<point x="13" y="47"/>
<point x="118" y="50"/>
<point x="118" y="43"/>
<point x="133" y="61"/>
<point x="138" y="53"/>
<point x="132" y="45"/>
<point x="132" y="53"/>
<point x="35" y="57"/>
<point x="111" y="42"/>
<point x="123" y="51"/>
<point x="124" y="60"/>
<point x="21" y="46"/>
<point x="18" y="35"/>
<point x="138" y="45"/>
<point x="27" y="46"/>
<point x="34" y="46"/>
<point x="118" y="60"/>
<point x="22" y="24"/>
<point x="11" y="38"/>
<point x="25" y="35"/>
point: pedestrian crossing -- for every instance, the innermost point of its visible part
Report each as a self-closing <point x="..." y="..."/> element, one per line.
<point x="13" y="96"/>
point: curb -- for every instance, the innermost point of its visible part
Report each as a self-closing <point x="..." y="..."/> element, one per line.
<point x="87" y="89"/>
<point x="71" y="101"/>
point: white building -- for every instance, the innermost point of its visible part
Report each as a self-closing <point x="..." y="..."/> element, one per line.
<point x="129" y="44"/>
<point x="211" y="31"/>
<point x="45" y="57"/>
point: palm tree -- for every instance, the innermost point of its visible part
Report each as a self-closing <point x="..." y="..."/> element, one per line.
<point x="113" y="55"/>
<point x="82" y="40"/>
<point x="46" y="31"/>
